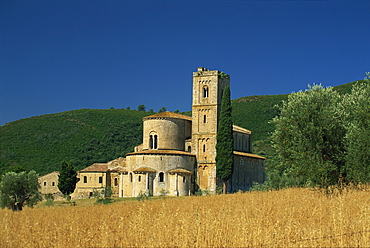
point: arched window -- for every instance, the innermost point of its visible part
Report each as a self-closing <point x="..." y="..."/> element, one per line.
<point x="153" y="142"/>
<point x="115" y="182"/>
<point x="205" y="91"/>
<point x="85" y="179"/>
<point x="189" y="148"/>
<point x="161" y="177"/>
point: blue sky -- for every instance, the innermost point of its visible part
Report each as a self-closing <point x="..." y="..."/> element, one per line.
<point x="64" y="55"/>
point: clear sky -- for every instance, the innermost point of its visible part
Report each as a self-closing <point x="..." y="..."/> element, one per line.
<point x="64" y="55"/>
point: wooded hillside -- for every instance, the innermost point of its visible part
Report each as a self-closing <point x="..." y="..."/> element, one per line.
<point x="88" y="136"/>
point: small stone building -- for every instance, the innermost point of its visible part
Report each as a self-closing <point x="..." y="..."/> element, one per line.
<point x="49" y="185"/>
<point x="178" y="153"/>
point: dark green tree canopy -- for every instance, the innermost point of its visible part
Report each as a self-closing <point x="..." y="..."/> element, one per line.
<point x="224" y="146"/>
<point x="67" y="178"/>
<point x="322" y="138"/>
<point x="19" y="189"/>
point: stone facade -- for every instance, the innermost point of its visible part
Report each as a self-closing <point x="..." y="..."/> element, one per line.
<point x="49" y="185"/>
<point x="178" y="153"/>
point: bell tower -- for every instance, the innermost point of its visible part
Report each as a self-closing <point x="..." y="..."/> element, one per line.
<point x="207" y="93"/>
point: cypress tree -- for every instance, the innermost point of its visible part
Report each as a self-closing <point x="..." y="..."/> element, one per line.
<point x="67" y="178"/>
<point x="224" y="146"/>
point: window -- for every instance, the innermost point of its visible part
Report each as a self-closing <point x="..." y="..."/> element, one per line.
<point x="115" y="182"/>
<point x="204" y="148"/>
<point x="130" y="177"/>
<point x="205" y="91"/>
<point x="204" y="119"/>
<point x="139" y="179"/>
<point x="44" y="183"/>
<point x="153" y="142"/>
<point x="85" y="179"/>
<point x="161" y="177"/>
<point x="100" y="179"/>
<point x="189" y="148"/>
<point x="183" y="179"/>
<point x="52" y="183"/>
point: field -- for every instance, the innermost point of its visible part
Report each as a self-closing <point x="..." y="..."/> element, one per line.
<point x="285" y="218"/>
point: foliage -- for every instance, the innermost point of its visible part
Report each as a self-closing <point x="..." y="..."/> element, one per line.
<point x="142" y="196"/>
<point x="355" y="109"/>
<point x="163" y="109"/>
<point x="49" y="202"/>
<point x="225" y="142"/>
<point x="67" y="178"/>
<point x="322" y="138"/>
<point x="81" y="137"/>
<point x="19" y="189"/>
<point x="309" y="136"/>
<point x="141" y="107"/>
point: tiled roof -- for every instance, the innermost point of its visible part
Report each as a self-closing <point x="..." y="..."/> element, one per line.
<point x="241" y="129"/>
<point x="163" y="152"/>
<point x="180" y="170"/>
<point x="96" y="168"/>
<point x="145" y="169"/>
<point x="168" y="114"/>
<point x="251" y="155"/>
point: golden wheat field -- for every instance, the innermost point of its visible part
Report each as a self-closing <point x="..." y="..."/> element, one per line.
<point x="285" y="218"/>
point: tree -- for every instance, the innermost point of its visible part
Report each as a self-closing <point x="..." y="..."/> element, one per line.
<point x="141" y="107"/>
<point x="224" y="145"/>
<point x="163" y="109"/>
<point x="19" y="189"/>
<point x="356" y="111"/>
<point x="309" y="137"/>
<point x="67" y="178"/>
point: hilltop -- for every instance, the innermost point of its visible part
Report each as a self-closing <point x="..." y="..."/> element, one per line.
<point x="88" y="136"/>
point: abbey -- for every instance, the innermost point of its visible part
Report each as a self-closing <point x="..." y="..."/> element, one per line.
<point x="177" y="156"/>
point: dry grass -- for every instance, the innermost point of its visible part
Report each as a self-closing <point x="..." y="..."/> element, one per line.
<point x="286" y="218"/>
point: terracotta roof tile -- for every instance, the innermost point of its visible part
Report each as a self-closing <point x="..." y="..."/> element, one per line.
<point x="180" y="170"/>
<point x="164" y="152"/>
<point x="96" y="167"/>
<point x="144" y="169"/>
<point x="251" y="155"/>
<point x="168" y="114"/>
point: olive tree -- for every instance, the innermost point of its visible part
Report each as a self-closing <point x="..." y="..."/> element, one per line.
<point x="309" y="137"/>
<point x="19" y="189"/>
<point x="355" y="109"/>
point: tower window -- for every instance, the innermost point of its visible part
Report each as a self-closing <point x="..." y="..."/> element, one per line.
<point x="161" y="177"/>
<point x="130" y="177"/>
<point x="139" y="179"/>
<point x="204" y="148"/>
<point x="205" y="91"/>
<point x="204" y="119"/>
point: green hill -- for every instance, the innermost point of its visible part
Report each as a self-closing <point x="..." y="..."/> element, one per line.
<point x="87" y="136"/>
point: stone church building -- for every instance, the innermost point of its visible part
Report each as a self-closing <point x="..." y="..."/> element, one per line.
<point x="178" y="153"/>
